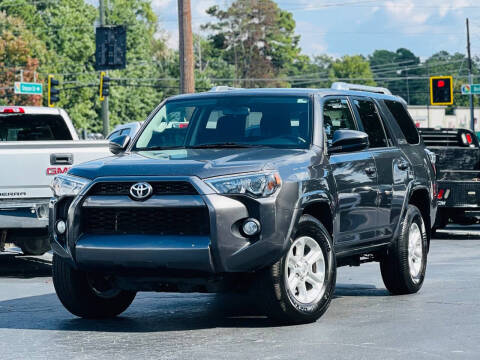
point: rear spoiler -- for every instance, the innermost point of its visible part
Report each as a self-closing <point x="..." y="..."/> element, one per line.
<point x="448" y="137"/>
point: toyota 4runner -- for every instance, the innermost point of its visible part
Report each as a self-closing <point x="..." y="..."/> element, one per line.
<point x="268" y="190"/>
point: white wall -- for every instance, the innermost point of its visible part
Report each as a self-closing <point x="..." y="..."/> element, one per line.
<point x="434" y="116"/>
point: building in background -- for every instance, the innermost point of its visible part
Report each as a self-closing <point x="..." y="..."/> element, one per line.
<point x="436" y="117"/>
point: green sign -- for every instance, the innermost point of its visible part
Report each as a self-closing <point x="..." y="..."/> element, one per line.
<point x="28" y="88"/>
<point x="471" y="89"/>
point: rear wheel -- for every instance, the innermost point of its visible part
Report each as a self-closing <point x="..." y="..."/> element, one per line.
<point x="86" y="295"/>
<point x="403" y="269"/>
<point x="299" y="287"/>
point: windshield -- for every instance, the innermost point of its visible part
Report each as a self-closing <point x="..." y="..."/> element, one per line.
<point x="233" y="121"/>
<point x="27" y="127"/>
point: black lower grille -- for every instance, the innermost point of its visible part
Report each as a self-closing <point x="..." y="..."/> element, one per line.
<point x="159" y="188"/>
<point x="158" y="221"/>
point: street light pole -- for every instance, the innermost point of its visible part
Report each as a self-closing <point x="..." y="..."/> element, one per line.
<point x="105" y="119"/>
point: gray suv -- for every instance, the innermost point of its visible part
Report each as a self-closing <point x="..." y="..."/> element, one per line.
<point x="260" y="190"/>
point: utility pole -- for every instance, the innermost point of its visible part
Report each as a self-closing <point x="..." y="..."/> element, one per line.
<point x="470" y="80"/>
<point x="105" y="119"/>
<point x="187" y="79"/>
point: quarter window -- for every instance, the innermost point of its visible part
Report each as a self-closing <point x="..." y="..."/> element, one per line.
<point x="372" y="124"/>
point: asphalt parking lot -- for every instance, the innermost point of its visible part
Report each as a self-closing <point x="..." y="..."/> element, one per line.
<point x="363" y="322"/>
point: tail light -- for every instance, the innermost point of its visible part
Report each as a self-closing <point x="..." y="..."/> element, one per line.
<point x="433" y="159"/>
<point x="443" y="194"/>
<point x="440" y="194"/>
<point x="11" y="110"/>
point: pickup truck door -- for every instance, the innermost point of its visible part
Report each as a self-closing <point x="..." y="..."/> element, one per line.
<point x="355" y="176"/>
<point x="392" y="165"/>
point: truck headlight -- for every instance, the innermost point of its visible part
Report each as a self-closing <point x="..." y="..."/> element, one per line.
<point x="68" y="185"/>
<point x="256" y="185"/>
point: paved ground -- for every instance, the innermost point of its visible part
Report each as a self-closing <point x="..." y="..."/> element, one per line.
<point x="363" y="322"/>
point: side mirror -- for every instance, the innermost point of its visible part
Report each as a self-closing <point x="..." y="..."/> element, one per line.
<point x="119" y="144"/>
<point x="348" y="140"/>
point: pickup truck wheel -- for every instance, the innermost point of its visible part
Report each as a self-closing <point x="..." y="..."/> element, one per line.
<point x="34" y="246"/>
<point x="86" y="296"/>
<point x="403" y="269"/>
<point x="299" y="287"/>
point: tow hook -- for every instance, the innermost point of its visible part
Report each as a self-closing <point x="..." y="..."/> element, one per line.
<point x="3" y="239"/>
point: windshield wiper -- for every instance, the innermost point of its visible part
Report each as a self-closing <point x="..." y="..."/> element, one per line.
<point x="223" y="145"/>
<point x="152" y="148"/>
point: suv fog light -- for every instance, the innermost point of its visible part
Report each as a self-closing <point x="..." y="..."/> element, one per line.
<point x="61" y="227"/>
<point x="251" y="227"/>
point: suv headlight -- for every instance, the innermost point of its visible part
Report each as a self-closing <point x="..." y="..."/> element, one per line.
<point x="256" y="185"/>
<point x="68" y="185"/>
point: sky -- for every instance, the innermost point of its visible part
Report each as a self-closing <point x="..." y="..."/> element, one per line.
<point x="347" y="27"/>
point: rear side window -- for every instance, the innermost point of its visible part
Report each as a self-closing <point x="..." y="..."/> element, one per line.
<point x="404" y="121"/>
<point x="28" y="127"/>
<point x="372" y="124"/>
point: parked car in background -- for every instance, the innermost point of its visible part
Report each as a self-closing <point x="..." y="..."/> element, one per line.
<point x="458" y="174"/>
<point x="36" y="143"/>
<point x="267" y="190"/>
<point x="129" y="129"/>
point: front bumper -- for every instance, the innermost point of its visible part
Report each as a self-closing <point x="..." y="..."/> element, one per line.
<point x="222" y="249"/>
<point x="24" y="214"/>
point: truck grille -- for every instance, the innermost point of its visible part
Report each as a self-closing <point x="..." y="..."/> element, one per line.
<point x="159" y="188"/>
<point x="158" y="221"/>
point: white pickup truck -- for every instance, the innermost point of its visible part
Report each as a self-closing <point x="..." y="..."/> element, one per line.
<point x="36" y="143"/>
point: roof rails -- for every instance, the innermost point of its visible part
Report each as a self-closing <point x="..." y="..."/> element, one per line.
<point x="355" y="87"/>
<point x="224" y="88"/>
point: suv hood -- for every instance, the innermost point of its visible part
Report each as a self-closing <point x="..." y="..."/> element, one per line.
<point x="202" y="163"/>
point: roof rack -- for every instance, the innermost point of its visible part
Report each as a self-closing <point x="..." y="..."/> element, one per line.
<point x="355" y="87"/>
<point x="224" y="88"/>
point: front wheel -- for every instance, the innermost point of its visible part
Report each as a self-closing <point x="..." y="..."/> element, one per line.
<point x="299" y="287"/>
<point x="403" y="269"/>
<point x="86" y="295"/>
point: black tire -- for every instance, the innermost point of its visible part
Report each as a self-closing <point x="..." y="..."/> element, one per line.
<point x="395" y="267"/>
<point x="35" y="246"/>
<point x="77" y="295"/>
<point x="278" y="301"/>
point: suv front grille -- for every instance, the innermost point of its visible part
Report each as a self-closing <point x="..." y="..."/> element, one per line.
<point x="159" y="188"/>
<point x="158" y="221"/>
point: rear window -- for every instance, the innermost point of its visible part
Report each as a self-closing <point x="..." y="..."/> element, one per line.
<point x="404" y="121"/>
<point x="29" y="127"/>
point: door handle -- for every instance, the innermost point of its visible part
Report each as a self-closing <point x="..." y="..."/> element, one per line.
<point x="403" y="165"/>
<point x="61" y="159"/>
<point x="370" y="170"/>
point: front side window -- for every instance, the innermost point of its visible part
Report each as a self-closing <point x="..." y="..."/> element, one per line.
<point x="337" y="116"/>
<point x="372" y="124"/>
<point x="233" y="121"/>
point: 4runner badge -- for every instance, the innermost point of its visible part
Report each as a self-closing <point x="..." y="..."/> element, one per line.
<point x="141" y="191"/>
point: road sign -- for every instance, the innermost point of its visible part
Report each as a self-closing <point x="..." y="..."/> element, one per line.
<point x="28" y="88"/>
<point x="470" y="89"/>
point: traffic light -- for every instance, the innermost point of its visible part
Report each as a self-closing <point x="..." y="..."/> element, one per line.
<point x="104" y="85"/>
<point x="52" y="91"/>
<point x="441" y="90"/>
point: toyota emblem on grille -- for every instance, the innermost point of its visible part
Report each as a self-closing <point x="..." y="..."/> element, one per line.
<point x="141" y="191"/>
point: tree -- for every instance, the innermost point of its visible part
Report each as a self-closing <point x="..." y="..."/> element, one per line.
<point x="257" y="38"/>
<point x="352" y="68"/>
<point x="20" y="51"/>
<point x="390" y="67"/>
